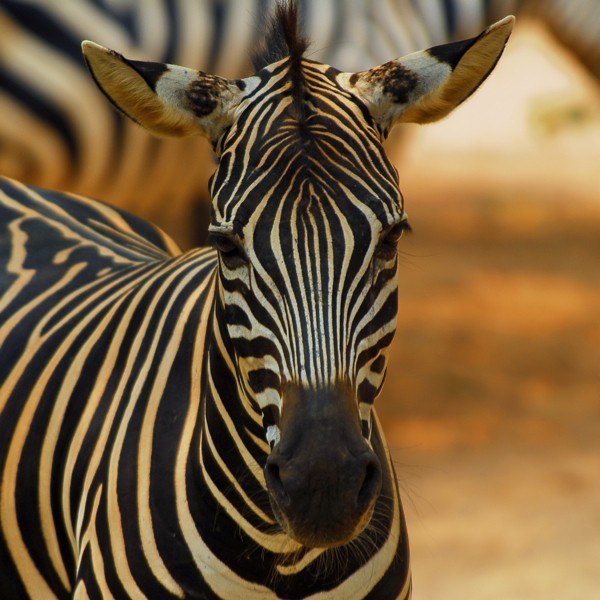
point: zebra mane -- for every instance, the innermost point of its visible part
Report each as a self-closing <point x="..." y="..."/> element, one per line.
<point x="283" y="38"/>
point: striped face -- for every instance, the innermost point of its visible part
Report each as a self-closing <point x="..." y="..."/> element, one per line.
<point x="306" y="218"/>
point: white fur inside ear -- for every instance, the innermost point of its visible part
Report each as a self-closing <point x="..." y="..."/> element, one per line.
<point x="130" y="92"/>
<point x="174" y="117"/>
<point x="431" y="72"/>
<point x="181" y="102"/>
<point x="424" y="87"/>
<point x="173" y="84"/>
<point x="470" y="72"/>
<point x="413" y="77"/>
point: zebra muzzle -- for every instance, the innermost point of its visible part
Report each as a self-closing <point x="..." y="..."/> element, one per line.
<point x="323" y="477"/>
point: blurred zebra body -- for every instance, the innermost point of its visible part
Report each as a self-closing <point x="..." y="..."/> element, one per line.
<point x="57" y="131"/>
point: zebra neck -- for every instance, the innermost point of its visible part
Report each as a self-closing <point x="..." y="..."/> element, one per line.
<point x="233" y="516"/>
<point x="226" y="409"/>
<point x="232" y="449"/>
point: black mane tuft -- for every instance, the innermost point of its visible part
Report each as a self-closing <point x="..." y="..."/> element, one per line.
<point x="282" y="37"/>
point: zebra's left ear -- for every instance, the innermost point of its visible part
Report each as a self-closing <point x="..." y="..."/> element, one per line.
<point x="167" y="100"/>
<point x="427" y="85"/>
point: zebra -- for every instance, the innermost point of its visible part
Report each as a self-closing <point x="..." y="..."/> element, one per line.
<point x="201" y="424"/>
<point x="57" y="131"/>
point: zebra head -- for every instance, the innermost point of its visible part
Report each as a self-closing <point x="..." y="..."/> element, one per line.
<point x="306" y="217"/>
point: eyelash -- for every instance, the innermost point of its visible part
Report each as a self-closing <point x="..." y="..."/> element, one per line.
<point x="232" y="255"/>
<point x="388" y="246"/>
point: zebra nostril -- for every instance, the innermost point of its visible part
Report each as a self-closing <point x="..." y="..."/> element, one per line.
<point x="275" y="484"/>
<point x="371" y="485"/>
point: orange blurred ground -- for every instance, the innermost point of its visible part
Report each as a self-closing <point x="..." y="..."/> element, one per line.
<point x="492" y="403"/>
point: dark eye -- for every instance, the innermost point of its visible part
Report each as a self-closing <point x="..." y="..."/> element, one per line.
<point x="223" y="244"/>
<point x="388" y="246"/>
<point x="230" y="252"/>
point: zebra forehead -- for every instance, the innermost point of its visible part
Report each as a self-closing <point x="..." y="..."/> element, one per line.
<point x="326" y="153"/>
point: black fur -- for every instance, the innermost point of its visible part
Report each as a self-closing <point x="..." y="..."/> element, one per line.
<point x="283" y="39"/>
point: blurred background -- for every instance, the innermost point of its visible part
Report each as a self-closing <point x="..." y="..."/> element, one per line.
<point x="492" y="402"/>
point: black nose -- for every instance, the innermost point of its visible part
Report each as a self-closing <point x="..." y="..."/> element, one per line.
<point x="323" y="495"/>
<point x="323" y="479"/>
<point x="370" y="486"/>
<point x="355" y="482"/>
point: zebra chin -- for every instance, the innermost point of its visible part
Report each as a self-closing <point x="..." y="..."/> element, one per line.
<point x="323" y="477"/>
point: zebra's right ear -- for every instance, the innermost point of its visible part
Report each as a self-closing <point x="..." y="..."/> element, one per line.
<point x="168" y="100"/>
<point x="425" y="86"/>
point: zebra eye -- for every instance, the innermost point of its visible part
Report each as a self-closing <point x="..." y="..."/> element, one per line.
<point x="223" y="244"/>
<point x="388" y="246"/>
<point x="230" y="252"/>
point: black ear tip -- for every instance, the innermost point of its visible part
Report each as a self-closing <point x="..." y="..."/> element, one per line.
<point x="149" y="71"/>
<point x="453" y="52"/>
